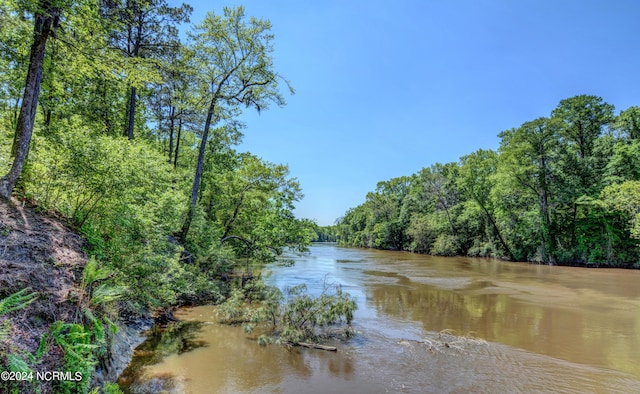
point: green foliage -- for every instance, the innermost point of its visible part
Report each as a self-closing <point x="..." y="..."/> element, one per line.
<point x="625" y="198"/>
<point x="421" y="233"/>
<point x="236" y="68"/>
<point x="628" y="123"/>
<point x="23" y="363"/>
<point x="324" y="233"/>
<point x="17" y="364"/>
<point x="445" y="245"/>
<point x="108" y="388"/>
<point x="302" y="313"/>
<point x="125" y="207"/>
<point x="97" y="294"/>
<point x="16" y="301"/>
<point x="122" y="194"/>
<point x="558" y="191"/>
<point x="77" y="346"/>
<point x="111" y="388"/>
<point x="85" y="173"/>
<point x="624" y="163"/>
<point x="301" y="317"/>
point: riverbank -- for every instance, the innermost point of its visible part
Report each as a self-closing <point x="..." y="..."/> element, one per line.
<point x="488" y="254"/>
<point x="503" y="327"/>
<point x="44" y="258"/>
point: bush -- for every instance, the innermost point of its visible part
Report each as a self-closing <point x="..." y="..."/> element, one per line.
<point x="302" y="317"/>
<point x="481" y="249"/>
<point x="445" y="245"/>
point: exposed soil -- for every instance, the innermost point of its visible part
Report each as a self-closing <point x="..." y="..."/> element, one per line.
<point x="41" y="253"/>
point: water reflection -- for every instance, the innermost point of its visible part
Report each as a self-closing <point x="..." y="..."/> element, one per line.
<point x="162" y="342"/>
<point x="230" y="362"/>
<point x="548" y="329"/>
<point x="576" y="321"/>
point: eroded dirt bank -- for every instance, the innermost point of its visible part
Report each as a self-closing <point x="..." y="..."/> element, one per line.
<point x="42" y="254"/>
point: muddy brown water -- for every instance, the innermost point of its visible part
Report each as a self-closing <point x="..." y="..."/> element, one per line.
<point x="510" y="327"/>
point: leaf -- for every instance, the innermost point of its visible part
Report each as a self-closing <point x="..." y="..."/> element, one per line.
<point x="17" y="300"/>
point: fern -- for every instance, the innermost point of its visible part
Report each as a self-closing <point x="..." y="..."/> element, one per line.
<point x="17" y="300"/>
<point x="105" y="293"/>
<point x="113" y="327"/>
<point x="98" y="327"/>
<point x="17" y="364"/>
<point x="36" y="358"/>
<point x="75" y="341"/>
<point x="92" y="273"/>
<point x="5" y="328"/>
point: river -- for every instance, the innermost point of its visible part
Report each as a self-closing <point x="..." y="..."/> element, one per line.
<point x="424" y="325"/>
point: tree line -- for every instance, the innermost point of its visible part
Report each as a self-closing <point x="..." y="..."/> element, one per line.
<point x="560" y="189"/>
<point x="128" y="129"/>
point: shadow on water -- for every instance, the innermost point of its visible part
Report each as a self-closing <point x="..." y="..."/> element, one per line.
<point x="425" y="325"/>
<point x="177" y="338"/>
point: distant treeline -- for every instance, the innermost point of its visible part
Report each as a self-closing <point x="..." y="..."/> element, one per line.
<point x="563" y="189"/>
<point x="325" y="234"/>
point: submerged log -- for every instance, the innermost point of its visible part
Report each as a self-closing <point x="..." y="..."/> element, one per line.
<point x="316" y="346"/>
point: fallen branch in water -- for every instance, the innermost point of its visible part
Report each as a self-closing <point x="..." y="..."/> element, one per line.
<point x="314" y="346"/>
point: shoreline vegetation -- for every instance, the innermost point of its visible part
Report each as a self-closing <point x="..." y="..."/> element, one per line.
<point x="560" y="190"/>
<point x="60" y="310"/>
<point x="118" y="133"/>
<point x="123" y="195"/>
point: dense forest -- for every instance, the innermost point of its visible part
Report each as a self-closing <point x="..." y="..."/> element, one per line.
<point x="128" y="130"/>
<point x="125" y="128"/>
<point x="325" y="234"/>
<point x="123" y="122"/>
<point x="561" y="189"/>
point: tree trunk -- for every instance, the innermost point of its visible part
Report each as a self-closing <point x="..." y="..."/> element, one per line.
<point x="198" y="175"/>
<point x="549" y="239"/>
<point x="172" y="118"/>
<point x="227" y="229"/>
<point x="495" y="227"/>
<point x="446" y="209"/>
<point x="132" y="113"/>
<point x="45" y="23"/>
<point x="315" y="346"/>
<point x="175" y="158"/>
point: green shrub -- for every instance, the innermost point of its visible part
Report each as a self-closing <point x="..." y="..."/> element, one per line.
<point x="301" y="317"/>
<point x="445" y="245"/>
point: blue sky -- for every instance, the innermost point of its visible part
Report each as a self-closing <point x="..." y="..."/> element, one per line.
<point x="384" y="88"/>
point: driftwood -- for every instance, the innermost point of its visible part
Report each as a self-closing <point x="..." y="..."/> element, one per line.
<point x="315" y="346"/>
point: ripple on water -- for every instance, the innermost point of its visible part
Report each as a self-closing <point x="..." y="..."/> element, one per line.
<point x="573" y="342"/>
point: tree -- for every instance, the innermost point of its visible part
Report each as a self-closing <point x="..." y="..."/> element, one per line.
<point x="628" y="123"/>
<point x="625" y="197"/>
<point x="14" y="55"/>
<point x="438" y="185"/>
<point x="476" y="182"/>
<point x="624" y="163"/>
<point x="171" y="99"/>
<point x="583" y="159"/>
<point x="235" y="68"/>
<point x="388" y="224"/>
<point x="251" y="203"/>
<point x="528" y="154"/>
<point x="143" y="30"/>
<point x="584" y="118"/>
<point x="45" y="22"/>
